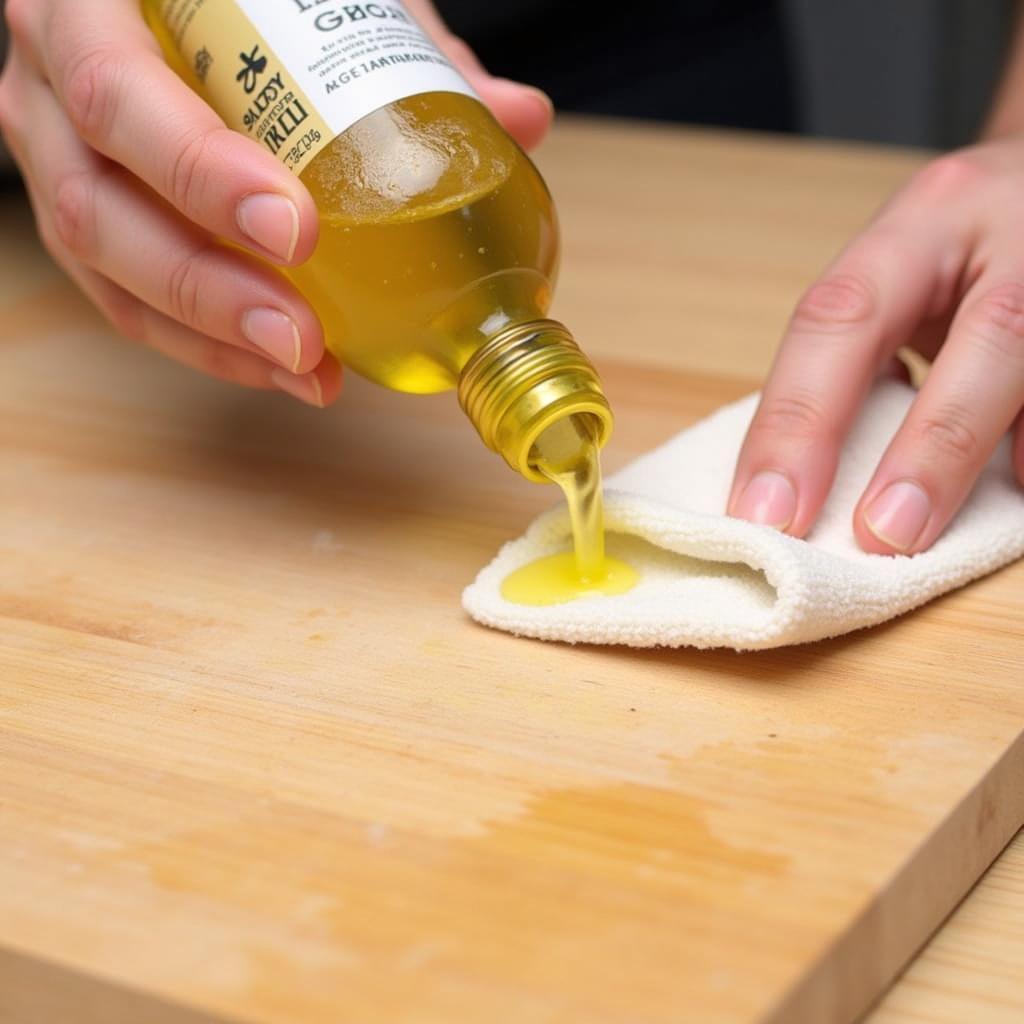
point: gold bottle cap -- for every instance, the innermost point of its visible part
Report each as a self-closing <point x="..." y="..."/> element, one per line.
<point x="523" y="380"/>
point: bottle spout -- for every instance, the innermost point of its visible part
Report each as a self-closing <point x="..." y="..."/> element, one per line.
<point x="524" y="379"/>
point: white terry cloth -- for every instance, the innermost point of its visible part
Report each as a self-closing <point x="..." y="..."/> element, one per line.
<point x="708" y="580"/>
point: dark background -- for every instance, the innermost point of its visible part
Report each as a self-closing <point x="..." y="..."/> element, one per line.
<point x="910" y="72"/>
<point x="913" y="72"/>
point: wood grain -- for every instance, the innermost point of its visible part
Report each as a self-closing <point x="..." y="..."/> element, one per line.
<point x="256" y="764"/>
<point x="973" y="970"/>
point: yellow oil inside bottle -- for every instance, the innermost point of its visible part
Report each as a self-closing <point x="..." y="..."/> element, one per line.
<point x="568" y="454"/>
<point x="436" y="232"/>
<point x="435" y="268"/>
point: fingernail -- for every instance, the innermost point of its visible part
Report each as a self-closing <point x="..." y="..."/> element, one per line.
<point x="768" y="499"/>
<point x="276" y="333"/>
<point x="305" y="386"/>
<point x="898" y="515"/>
<point x="271" y="221"/>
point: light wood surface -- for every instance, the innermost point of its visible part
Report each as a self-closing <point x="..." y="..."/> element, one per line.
<point x="256" y="764"/>
<point x="972" y="972"/>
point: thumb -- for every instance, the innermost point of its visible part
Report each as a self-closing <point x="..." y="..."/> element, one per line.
<point x="524" y="111"/>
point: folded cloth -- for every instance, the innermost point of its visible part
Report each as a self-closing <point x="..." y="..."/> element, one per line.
<point x="708" y="580"/>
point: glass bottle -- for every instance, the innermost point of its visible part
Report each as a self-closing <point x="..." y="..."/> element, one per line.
<point x="439" y="242"/>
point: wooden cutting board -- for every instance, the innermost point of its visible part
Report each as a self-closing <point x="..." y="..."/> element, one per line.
<point x="256" y="764"/>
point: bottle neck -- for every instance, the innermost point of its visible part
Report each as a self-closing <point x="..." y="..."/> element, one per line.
<point x="524" y="379"/>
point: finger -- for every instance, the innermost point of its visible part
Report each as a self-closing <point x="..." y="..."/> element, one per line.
<point x="1018" y="450"/>
<point x="133" y="319"/>
<point x="130" y="318"/>
<point x="524" y="111"/>
<point x="843" y="330"/>
<point x="123" y="99"/>
<point x="972" y="395"/>
<point x="138" y="322"/>
<point x="14" y="123"/>
<point x="320" y="387"/>
<point x="109" y="223"/>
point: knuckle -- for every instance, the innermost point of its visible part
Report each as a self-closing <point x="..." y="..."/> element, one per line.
<point x="948" y="176"/>
<point x="184" y="286"/>
<point x="837" y="302"/>
<point x="794" y="415"/>
<point x="92" y="86"/>
<point x="189" y="172"/>
<point x="947" y="435"/>
<point x="73" y="214"/>
<point x="999" y="320"/>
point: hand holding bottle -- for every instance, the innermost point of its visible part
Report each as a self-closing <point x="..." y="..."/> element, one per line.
<point x="133" y="179"/>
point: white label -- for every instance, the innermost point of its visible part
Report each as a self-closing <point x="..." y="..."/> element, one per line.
<point x="350" y="59"/>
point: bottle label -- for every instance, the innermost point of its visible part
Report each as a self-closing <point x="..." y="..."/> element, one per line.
<point x="293" y="74"/>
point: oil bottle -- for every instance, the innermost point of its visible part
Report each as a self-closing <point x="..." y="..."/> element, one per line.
<point x="439" y="242"/>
